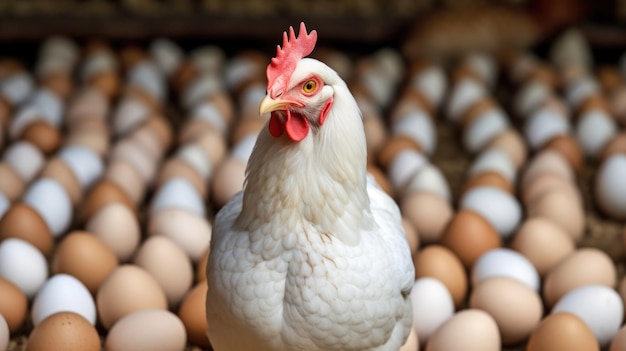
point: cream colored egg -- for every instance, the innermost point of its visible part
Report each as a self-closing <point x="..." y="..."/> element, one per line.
<point x="429" y="214"/>
<point x="147" y="329"/>
<point x="468" y="330"/>
<point x="190" y="231"/>
<point x="118" y="228"/>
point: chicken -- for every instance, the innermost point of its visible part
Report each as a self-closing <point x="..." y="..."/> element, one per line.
<point x="310" y="255"/>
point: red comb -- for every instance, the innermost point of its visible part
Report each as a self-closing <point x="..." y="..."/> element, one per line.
<point x="282" y="66"/>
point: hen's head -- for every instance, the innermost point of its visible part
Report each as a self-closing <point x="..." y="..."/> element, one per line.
<point x="299" y="90"/>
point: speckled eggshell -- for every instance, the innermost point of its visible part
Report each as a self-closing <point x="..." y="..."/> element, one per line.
<point x="64" y="331"/>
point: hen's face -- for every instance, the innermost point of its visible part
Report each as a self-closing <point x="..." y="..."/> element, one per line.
<point x="300" y="107"/>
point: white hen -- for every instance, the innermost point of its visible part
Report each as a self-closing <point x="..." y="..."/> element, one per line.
<point x="310" y="255"/>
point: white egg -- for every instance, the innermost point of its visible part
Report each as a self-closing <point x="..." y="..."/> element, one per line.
<point x="177" y="193"/>
<point x="50" y="199"/>
<point x="593" y="130"/>
<point x="610" y="187"/>
<point x="462" y="96"/>
<point x="26" y="115"/>
<point x="207" y="58"/>
<point x="483" y="129"/>
<point x="599" y="306"/>
<point x="543" y="125"/>
<point x="497" y="206"/>
<point x="5" y="336"/>
<point x="208" y="112"/>
<point x="403" y="167"/>
<point x="100" y="62"/>
<point x="24" y="158"/>
<point x="197" y="158"/>
<point x="431" y="82"/>
<point x="63" y="293"/>
<point x="417" y="125"/>
<point x="484" y="65"/>
<point x="580" y="89"/>
<point x="432" y="306"/>
<point x="529" y="96"/>
<point x="505" y="263"/>
<point x="50" y="105"/>
<point x="17" y="87"/>
<point x="147" y="76"/>
<point x="494" y="159"/>
<point x="429" y="178"/>
<point x="86" y="165"/>
<point x="167" y="55"/>
<point x="201" y="88"/>
<point x="237" y="70"/>
<point x="23" y="264"/>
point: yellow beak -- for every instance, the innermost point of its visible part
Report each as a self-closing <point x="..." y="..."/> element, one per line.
<point x="268" y="104"/>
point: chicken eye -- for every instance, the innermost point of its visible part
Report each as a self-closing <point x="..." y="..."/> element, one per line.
<point x="309" y="86"/>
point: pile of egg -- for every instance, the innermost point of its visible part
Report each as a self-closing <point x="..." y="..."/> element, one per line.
<point x="115" y="161"/>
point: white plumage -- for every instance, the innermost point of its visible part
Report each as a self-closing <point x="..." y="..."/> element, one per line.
<point x="310" y="255"/>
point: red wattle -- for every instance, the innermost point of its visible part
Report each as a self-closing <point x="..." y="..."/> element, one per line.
<point x="297" y="126"/>
<point x="275" y="126"/>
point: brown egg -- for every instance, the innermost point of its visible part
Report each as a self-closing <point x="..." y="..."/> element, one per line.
<point x="64" y="331"/>
<point x="132" y="152"/>
<point x="24" y="222"/>
<point x="108" y="82"/>
<point x="127" y="178"/>
<point x="516" y="308"/>
<point x="563" y="209"/>
<point x="619" y="341"/>
<point x="11" y="184"/>
<point x="584" y="266"/>
<point x="475" y="110"/>
<point x="43" y="135"/>
<point x="13" y="305"/>
<point x="547" y="161"/>
<point x="429" y="214"/>
<point x="468" y="235"/>
<point x="609" y="77"/>
<point x="93" y="139"/>
<point x="487" y="178"/>
<point x="594" y="102"/>
<point x="562" y="331"/>
<point x="569" y="147"/>
<point x="545" y="183"/>
<point x="513" y="144"/>
<point x="247" y="126"/>
<point x="101" y="194"/>
<point x="411" y="235"/>
<point x="469" y="329"/>
<point x="201" y="266"/>
<point x="380" y="178"/>
<point x="227" y="180"/>
<point x="193" y="128"/>
<point x="192" y="312"/>
<point x="59" y="82"/>
<point x="543" y="243"/>
<point x="84" y="256"/>
<point x="439" y="262"/>
<point x="161" y="129"/>
<point x="394" y="145"/>
<point x="616" y="145"/>
<point x="128" y="288"/>
<point x="177" y="167"/>
<point x="57" y="169"/>
<point x="118" y="227"/>
<point x="214" y="144"/>
<point x="168" y="264"/>
<point x="375" y="135"/>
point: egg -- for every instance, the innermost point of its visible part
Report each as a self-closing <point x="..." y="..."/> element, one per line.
<point x="530" y="95"/>
<point x="562" y="331"/>
<point x="469" y="235"/>
<point x="609" y="189"/>
<point x="487" y="178"/>
<point x="616" y="145"/>
<point x="5" y="336"/>
<point x="190" y="232"/>
<point x="176" y="167"/>
<point x="461" y="96"/>
<point x="24" y="158"/>
<point x="484" y="128"/>
<point x="84" y="163"/>
<point x="62" y="293"/>
<point x="594" y="129"/>
<point x="64" y="331"/>
<point x="52" y="202"/>
<point x="599" y="306"/>
<point x="21" y="221"/>
<point x="569" y="148"/>
<point x="11" y="184"/>
<point x="13" y="305"/>
<point x="168" y="264"/>
<point x="499" y="207"/>
<point x="495" y="160"/>
<point x="543" y="243"/>
<point x="132" y="152"/>
<point x="148" y="329"/>
<point x="429" y="178"/>
<point x="45" y="136"/>
<point x="116" y="226"/>
<point x="583" y="267"/>
<point x="439" y="262"/>
<point x="502" y="262"/>
<point x="432" y="306"/>
<point x="23" y="265"/>
<point x="419" y="126"/>
<point x="128" y="179"/>
<point x="544" y="125"/>
<point x="403" y="168"/>
<point x="619" y="341"/>
<point x="58" y="170"/>
<point x="511" y="142"/>
<point x="177" y="193"/>
<point x="192" y="313"/>
<point x="547" y="161"/>
<point x="213" y="144"/>
<point x="428" y="212"/>
<point x="547" y="182"/>
<point x="516" y="308"/>
<point x="103" y="193"/>
<point x="470" y="330"/>
<point x="84" y="256"/>
<point x="230" y="174"/>
<point x="128" y="288"/>
<point x="563" y="209"/>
